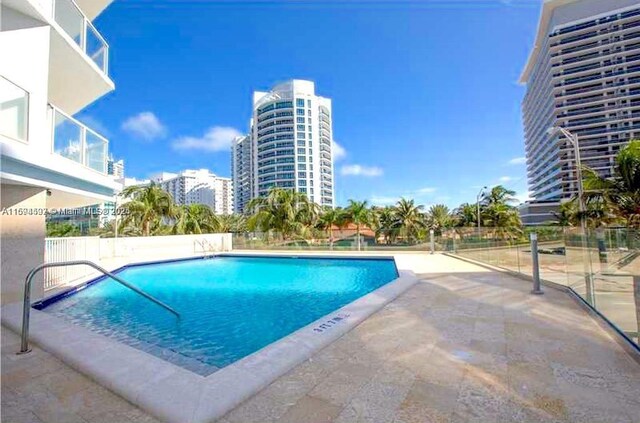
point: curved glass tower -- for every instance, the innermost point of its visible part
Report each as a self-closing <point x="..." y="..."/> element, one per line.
<point x="291" y="133"/>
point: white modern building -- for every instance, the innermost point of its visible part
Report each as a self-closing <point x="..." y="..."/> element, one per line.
<point x="290" y="143"/>
<point x="198" y="187"/>
<point x="583" y="75"/>
<point x="242" y="172"/>
<point x="53" y="63"/>
<point x="115" y="167"/>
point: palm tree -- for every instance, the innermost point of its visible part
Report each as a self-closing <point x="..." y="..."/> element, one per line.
<point x="357" y="212"/>
<point x="466" y="215"/>
<point x="147" y="207"/>
<point x="233" y="223"/>
<point x="409" y="218"/>
<point x="195" y="219"/>
<point x="504" y="219"/>
<point x="384" y="222"/>
<point x="499" y="195"/>
<point x="439" y="218"/>
<point x="328" y="219"/>
<point x="284" y="212"/>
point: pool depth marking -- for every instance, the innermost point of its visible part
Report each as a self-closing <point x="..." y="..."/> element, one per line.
<point x="331" y="323"/>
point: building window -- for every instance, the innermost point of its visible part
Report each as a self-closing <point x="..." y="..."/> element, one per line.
<point x="310" y="151"/>
<point x="310" y="128"/>
<point x="300" y="150"/>
<point x="302" y="175"/>
<point x="300" y="112"/>
<point x="14" y="110"/>
<point x="309" y="112"/>
<point x="309" y="103"/>
<point x="302" y="166"/>
<point x="300" y="102"/>
<point x="302" y="183"/>
<point x="300" y="119"/>
<point x="301" y="143"/>
<point x="310" y="143"/>
<point x="300" y="127"/>
<point x="301" y="135"/>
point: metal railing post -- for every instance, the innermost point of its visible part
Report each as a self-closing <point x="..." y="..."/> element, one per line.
<point x="432" y="241"/>
<point x="534" y="261"/>
<point x="24" y="341"/>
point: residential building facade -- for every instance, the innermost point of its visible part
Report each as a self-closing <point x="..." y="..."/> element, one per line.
<point x="583" y="75"/>
<point x="242" y="172"/>
<point x="115" y="168"/>
<point x="290" y="144"/>
<point x="53" y="63"/>
<point x="198" y="187"/>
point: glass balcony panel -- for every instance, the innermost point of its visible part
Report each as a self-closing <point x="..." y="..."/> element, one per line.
<point x="96" y="152"/>
<point x="67" y="138"/>
<point x="96" y="48"/>
<point x="14" y="109"/>
<point x="70" y="19"/>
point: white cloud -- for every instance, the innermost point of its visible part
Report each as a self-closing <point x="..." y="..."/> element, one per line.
<point x="506" y="178"/>
<point x="338" y="151"/>
<point x="359" y="170"/>
<point x="145" y="126"/>
<point x="517" y="161"/>
<point x="426" y="190"/>
<point x="216" y="138"/>
<point x="378" y="200"/>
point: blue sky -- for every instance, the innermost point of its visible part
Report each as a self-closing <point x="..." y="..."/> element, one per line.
<point x="426" y="102"/>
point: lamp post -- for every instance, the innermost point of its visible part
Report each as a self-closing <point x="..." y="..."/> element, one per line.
<point x="575" y="142"/>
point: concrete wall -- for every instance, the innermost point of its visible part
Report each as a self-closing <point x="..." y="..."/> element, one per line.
<point x="21" y="240"/>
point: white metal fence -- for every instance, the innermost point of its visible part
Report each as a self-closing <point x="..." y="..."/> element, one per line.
<point x="65" y="249"/>
<point x="115" y="252"/>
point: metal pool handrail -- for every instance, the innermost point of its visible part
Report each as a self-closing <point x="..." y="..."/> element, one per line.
<point x="24" y="345"/>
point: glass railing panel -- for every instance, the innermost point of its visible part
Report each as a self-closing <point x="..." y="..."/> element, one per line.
<point x="96" y="152"/>
<point x="67" y="137"/>
<point x="69" y="17"/>
<point x="14" y="109"/>
<point x="80" y="29"/>
<point x="96" y="48"/>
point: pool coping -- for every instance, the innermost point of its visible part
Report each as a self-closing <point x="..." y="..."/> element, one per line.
<point x="177" y="395"/>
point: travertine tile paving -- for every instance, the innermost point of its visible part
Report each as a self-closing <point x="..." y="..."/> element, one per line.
<point x="468" y="345"/>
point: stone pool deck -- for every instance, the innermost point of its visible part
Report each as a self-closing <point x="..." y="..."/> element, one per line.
<point x="464" y="344"/>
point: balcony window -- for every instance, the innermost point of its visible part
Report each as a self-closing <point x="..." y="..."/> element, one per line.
<point x="14" y="109"/>
<point x="76" y="142"/>
<point x="67" y="138"/>
<point x="95" y="152"/>
<point x="80" y="29"/>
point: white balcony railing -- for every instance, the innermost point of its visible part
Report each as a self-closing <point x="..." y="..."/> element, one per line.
<point x="70" y="17"/>
<point x="75" y="141"/>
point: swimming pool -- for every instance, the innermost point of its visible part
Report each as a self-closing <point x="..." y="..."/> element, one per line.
<point x="230" y="306"/>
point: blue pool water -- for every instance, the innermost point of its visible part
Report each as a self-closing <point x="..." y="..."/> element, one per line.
<point x="230" y="306"/>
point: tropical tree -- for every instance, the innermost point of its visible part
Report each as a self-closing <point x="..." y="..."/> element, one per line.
<point x="195" y="219"/>
<point x="409" y="218"/>
<point x="621" y="193"/>
<point x="384" y="222"/>
<point x="148" y="205"/>
<point x="358" y="213"/>
<point x="329" y="218"/>
<point x="498" y="195"/>
<point x="466" y="215"/>
<point x="439" y="217"/>
<point x="233" y="223"/>
<point x="284" y="212"/>
<point x="61" y="229"/>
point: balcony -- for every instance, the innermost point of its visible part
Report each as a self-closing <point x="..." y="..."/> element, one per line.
<point x="79" y="59"/>
<point x="14" y="109"/>
<point x="75" y="141"/>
